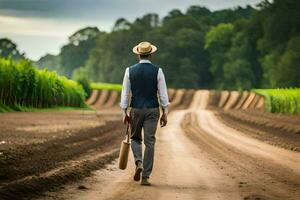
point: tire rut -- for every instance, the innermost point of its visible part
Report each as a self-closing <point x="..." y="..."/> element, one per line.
<point x="254" y="175"/>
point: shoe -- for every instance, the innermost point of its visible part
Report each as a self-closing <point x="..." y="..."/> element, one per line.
<point x="145" y="181"/>
<point x="138" y="171"/>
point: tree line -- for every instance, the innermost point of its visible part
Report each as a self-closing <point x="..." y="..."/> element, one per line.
<point x="239" y="48"/>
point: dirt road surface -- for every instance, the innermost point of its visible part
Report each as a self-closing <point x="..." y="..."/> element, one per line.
<point x="199" y="157"/>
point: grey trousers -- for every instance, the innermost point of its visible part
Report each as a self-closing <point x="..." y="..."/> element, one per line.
<point x="146" y="119"/>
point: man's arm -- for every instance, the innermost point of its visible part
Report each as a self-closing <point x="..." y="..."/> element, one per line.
<point x="125" y="96"/>
<point x="163" y="96"/>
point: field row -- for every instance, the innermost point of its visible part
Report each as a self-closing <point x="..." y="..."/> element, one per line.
<point x="22" y="85"/>
<point x="185" y="98"/>
<point x="48" y="150"/>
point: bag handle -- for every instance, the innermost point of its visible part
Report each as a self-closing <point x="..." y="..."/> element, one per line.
<point x="127" y="133"/>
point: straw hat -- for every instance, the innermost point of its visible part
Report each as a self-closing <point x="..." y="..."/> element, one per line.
<point x="144" y="48"/>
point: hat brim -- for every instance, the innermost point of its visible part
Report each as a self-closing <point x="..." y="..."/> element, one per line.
<point x="135" y="50"/>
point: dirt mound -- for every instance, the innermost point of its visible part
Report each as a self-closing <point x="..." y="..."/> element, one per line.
<point x="104" y="96"/>
<point x="235" y="100"/>
<point x="196" y="100"/>
<point x="179" y="94"/>
<point x="232" y="100"/>
<point x="248" y="101"/>
<point x="224" y="96"/>
<point x="93" y="98"/>
<point x="113" y="99"/>
<point x="213" y="100"/>
<point x="186" y="99"/>
<point x="171" y="94"/>
<point x="260" y="105"/>
<point x="183" y="99"/>
<point x="242" y="100"/>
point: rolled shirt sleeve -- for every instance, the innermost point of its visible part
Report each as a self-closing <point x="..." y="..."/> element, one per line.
<point x="125" y="91"/>
<point x="162" y="90"/>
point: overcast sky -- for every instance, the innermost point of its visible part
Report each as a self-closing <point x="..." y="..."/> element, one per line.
<point x="42" y="26"/>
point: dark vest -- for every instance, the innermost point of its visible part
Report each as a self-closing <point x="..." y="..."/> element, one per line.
<point x="143" y="82"/>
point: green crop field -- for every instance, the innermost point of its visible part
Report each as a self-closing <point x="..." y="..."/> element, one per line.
<point x="22" y="85"/>
<point x="281" y="100"/>
<point x="106" y="86"/>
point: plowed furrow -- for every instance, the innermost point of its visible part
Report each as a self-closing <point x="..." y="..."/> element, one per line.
<point x="38" y="158"/>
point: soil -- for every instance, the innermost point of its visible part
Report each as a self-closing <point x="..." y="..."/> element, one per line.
<point x="21" y="128"/>
<point x="198" y="157"/>
<point x="94" y="97"/>
<point x="46" y="150"/>
<point x="200" y="154"/>
<point x="276" y="129"/>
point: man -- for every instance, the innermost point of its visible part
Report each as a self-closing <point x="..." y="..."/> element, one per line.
<point x="146" y="83"/>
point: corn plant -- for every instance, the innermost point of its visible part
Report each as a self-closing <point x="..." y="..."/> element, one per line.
<point x="281" y="100"/>
<point x="21" y="84"/>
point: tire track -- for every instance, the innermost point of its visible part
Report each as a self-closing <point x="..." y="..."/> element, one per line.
<point x="250" y="168"/>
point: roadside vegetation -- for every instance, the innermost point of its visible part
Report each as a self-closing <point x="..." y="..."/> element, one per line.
<point x="281" y="100"/>
<point x="106" y="86"/>
<point x="22" y="86"/>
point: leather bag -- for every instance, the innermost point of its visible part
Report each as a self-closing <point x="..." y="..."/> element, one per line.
<point x="124" y="150"/>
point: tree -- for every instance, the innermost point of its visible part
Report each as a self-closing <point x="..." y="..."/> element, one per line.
<point x="238" y="75"/>
<point x="75" y="54"/>
<point x="81" y="76"/>
<point x="217" y="43"/>
<point x="52" y="62"/>
<point x="121" y="24"/>
<point x="282" y="70"/>
<point x="238" y="48"/>
<point x="9" y="48"/>
<point x="281" y="27"/>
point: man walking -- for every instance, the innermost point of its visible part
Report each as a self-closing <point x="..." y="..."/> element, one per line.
<point x="146" y="83"/>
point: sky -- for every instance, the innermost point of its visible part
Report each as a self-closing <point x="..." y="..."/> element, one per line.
<point x="43" y="26"/>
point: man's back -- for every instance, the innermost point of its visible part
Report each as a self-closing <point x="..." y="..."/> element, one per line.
<point x="143" y="79"/>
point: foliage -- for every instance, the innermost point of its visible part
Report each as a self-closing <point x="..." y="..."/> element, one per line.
<point x="180" y="38"/>
<point x="72" y="55"/>
<point x="52" y="62"/>
<point x="22" y="85"/>
<point x="76" y="52"/>
<point x="217" y="41"/>
<point x="238" y="48"/>
<point x="81" y="76"/>
<point x="9" y="49"/>
<point x="283" y="69"/>
<point x="106" y="86"/>
<point x="281" y="100"/>
<point x="279" y="45"/>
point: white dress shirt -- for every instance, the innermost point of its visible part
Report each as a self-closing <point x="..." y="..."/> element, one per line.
<point x="161" y="86"/>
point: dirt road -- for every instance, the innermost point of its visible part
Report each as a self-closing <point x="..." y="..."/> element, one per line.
<point x="199" y="157"/>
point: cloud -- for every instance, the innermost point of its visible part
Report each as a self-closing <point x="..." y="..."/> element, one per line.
<point x="44" y="27"/>
<point x="105" y="9"/>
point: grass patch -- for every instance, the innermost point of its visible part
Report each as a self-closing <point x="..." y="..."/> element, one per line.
<point x="106" y="86"/>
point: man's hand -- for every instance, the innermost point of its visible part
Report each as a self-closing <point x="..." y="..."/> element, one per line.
<point x="163" y="120"/>
<point x="126" y="119"/>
